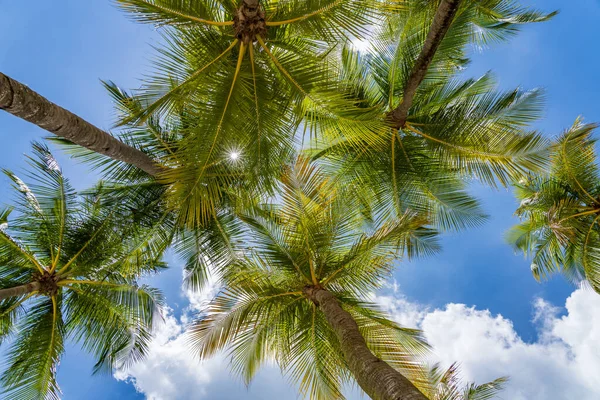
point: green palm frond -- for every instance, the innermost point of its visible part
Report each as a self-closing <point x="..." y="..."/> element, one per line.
<point x="76" y="258"/>
<point x="498" y="20"/>
<point x="559" y="210"/>
<point x="35" y="354"/>
<point x="447" y="385"/>
<point x="456" y="131"/>
<point x="112" y="322"/>
<point x="252" y="92"/>
<point x="323" y="19"/>
<point x="180" y="12"/>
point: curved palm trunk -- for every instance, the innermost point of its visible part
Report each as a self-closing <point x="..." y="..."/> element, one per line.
<point x="24" y="103"/>
<point x="439" y="27"/>
<point x="378" y="379"/>
<point x="19" y="290"/>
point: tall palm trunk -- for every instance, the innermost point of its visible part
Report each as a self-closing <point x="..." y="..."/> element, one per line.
<point x="24" y="103"/>
<point x="442" y="21"/>
<point x="19" y="290"/>
<point x="378" y="379"/>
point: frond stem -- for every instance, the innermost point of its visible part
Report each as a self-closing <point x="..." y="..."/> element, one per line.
<point x="15" y="245"/>
<point x="594" y="211"/>
<point x="305" y="16"/>
<point x="18" y="303"/>
<point x="54" y="316"/>
<point x="68" y="264"/>
<point x="191" y="17"/>
<point x="66" y="282"/>
<point x="220" y="125"/>
<point x="186" y="81"/>
<point x="251" y="51"/>
<point x="454" y="146"/>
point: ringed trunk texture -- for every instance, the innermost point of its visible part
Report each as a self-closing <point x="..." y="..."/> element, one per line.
<point x="439" y="27"/>
<point x="19" y="290"/>
<point x="377" y="378"/>
<point x="24" y="103"/>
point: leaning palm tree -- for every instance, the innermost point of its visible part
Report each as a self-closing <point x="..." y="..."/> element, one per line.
<point x="68" y="270"/>
<point x="295" y="293"/>
<point x="21" y="101"/>
<point x="447" y="385"/>
<point x="560" y="211"/>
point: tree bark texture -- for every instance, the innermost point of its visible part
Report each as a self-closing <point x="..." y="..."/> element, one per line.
<point x="22" y="102"/>
<point x="439" y="27"/>
<point x="377" y="378"/>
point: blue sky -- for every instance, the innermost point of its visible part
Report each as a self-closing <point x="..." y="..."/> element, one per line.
<point x="62" y="49"/>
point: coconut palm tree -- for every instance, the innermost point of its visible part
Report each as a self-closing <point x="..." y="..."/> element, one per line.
<point x="560" y="211"/>
<point x="447" y="385"/>
<point x="19" y="100"/>
<point x="296" y="293"/>
<point x="68" y="270"/>
<point x="445" y="130"/>
<point x="238" y="88"/>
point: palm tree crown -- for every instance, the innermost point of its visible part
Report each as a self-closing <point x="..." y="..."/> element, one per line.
<point x="235" y="88"/>
<point x="454" y="129"/>
<point x="560" y="210"/>
<point x="68" y="268"/>
<point x="313" y="239"/>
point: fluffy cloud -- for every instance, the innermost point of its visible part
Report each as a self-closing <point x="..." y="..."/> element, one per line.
<point x="563" y="363"/>
<point x="172" y="370"/>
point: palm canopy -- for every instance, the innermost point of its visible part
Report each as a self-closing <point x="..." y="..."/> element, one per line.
<point x="71" y="262"/>
<point x="454" y="129"/>
<point x="560" y="210"/>
<point x="314" y="237"/>
<point x="250" y="78"/>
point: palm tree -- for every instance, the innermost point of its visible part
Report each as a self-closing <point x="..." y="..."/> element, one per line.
<point x="446" y="385"/>
<point x="295" y="293"/>
<point x="435" y="134"/>
<point x="68" y="269"/>
<point x="233" y="79"/>
<point x="560" y="211"/>
<point x="23" y="102"/>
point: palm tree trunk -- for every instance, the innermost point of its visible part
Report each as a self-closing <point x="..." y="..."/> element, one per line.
<point x="24" y="103"/>
<point x="19" y="290"/>
<point x="378" y="379"/>
<point x="439" y="27"/>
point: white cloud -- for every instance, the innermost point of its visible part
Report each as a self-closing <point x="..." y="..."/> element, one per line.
<point x="172" y="371"/>
<point x="562" y="364"/>
<point x="170" y="366"/>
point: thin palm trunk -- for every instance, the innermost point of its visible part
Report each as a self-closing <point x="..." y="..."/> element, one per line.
<point x="22" y="102"/>
<point x="19" y="290"/>
<point x="439" y="27"/>
<point x="377" y="378"/>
